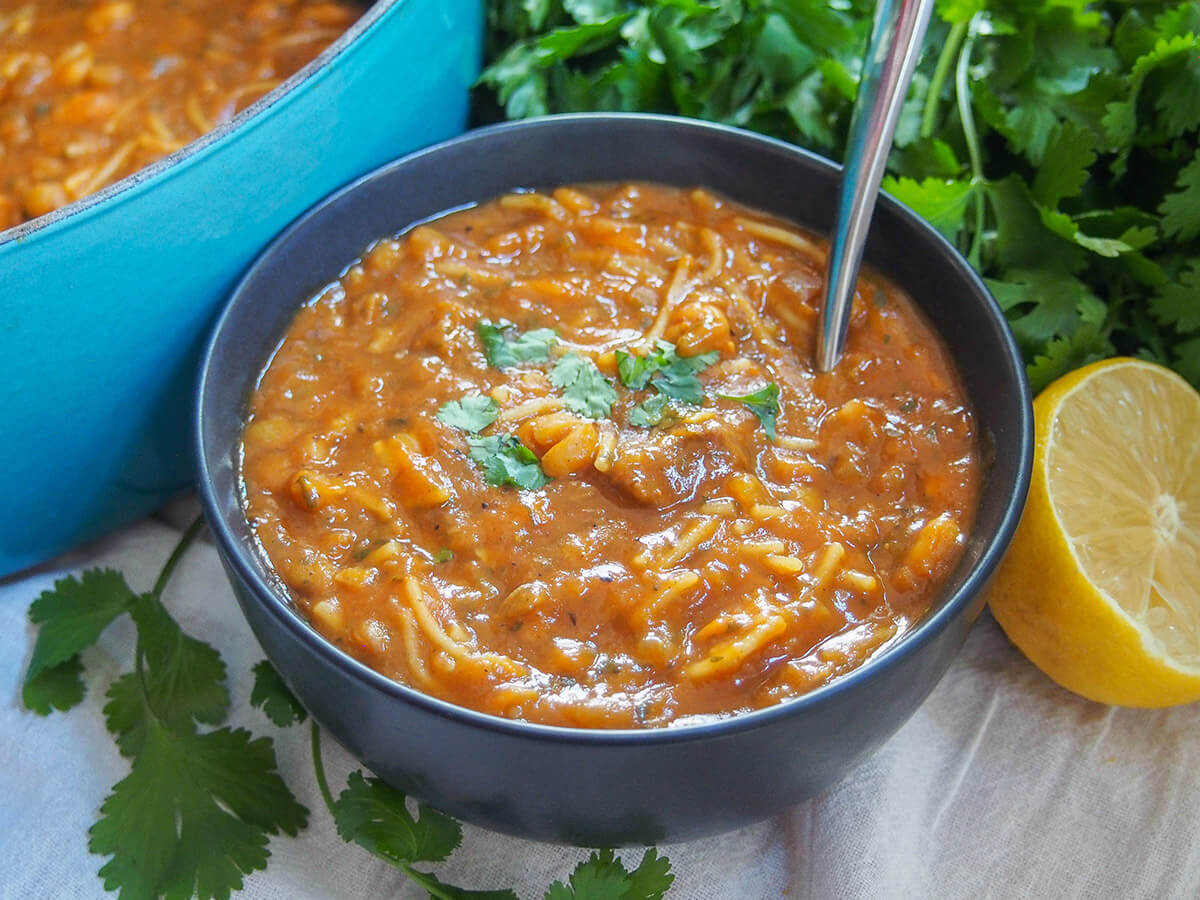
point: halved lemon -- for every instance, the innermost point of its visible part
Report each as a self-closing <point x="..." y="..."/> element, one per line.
<point x="1101" y="587"/>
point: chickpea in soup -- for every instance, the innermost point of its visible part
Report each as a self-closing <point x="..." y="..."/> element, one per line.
<point x="564" y="457"/>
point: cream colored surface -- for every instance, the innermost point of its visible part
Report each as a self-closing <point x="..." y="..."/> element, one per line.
<point x="1002" y="785"/>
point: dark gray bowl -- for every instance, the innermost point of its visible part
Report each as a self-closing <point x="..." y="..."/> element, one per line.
<point x="608" y="787"/>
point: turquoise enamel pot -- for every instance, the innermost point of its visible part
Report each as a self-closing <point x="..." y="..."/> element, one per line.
<point x="104" y="303"/>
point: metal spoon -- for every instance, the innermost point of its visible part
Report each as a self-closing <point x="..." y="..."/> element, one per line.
<point x="891" y="57"/>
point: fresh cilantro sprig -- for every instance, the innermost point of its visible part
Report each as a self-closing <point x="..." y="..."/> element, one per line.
<point x="503" y="459"/>
<point x="374" y="815"/>
<point x="1054" y="143"/>
<point x="506" y="461"/>
<point x="764" y="403"/>
<point x="505" y="346"/>
<point x="472" y="413"/>
<point x="586" y="392"/>
<point x="195" y="813"/>
<point x="672" y="376"/>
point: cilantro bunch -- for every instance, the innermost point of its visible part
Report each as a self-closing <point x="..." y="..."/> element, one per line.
<point x="1055" y="142"/>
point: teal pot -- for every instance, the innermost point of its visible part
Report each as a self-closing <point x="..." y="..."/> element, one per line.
<point x="103" y="303"/>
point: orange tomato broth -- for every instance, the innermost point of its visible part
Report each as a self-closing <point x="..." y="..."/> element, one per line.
<point x="93" y="91"/>
<point x="692" y="569"/>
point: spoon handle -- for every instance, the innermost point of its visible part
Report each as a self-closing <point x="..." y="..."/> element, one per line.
<point x="887" y="70"/>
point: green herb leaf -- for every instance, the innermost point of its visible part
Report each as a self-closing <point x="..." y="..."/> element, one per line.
<point x="1178" y="302"/>
<point x="676" y="378"/>
<point x="670" y="374"/>
<point x="649" y="412"/>
<point x="504" y="346"/>
<point x="274" y="698"/>
<point x="585" y="391"/>
<point x="444" y="555"/>
<point x="55" y="687"/>
<point x="194" y="814"/>
<point x="184" y="677"/>
<point x="764" y="403"/>
<point x="941" y="202"/>
<point x="506" y="461"/>
<point x="472" y="413"/>
<point x="1064" y="170"/>
<point x="634" y="371"/>
<point x="375" y="816"/>
<point x="1181" y="210"/>
<point x="604" y="877"/>
<point x="71" y="617"/>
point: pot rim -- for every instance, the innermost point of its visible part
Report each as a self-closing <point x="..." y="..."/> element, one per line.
<point x="373" y="14"/>
<point x="238" y="556"/>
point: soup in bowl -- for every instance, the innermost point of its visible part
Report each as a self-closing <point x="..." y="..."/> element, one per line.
<point x="541" y="508"/>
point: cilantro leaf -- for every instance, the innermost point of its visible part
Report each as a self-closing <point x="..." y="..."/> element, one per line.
<point x="1178" y="302"/>
<point x="375" y="816"/>
<point x="193" y="815"/>
<point x="676" y="377"/>
<point x="649" y="412"/>
<point x="604" y="877"/>
<point x="126" y="715"/>
<point x="506" y="461"/>
<point x="72" y="616"/>
<point x="1064" y="169"/>
<point x="634" y="371"/>
<point x="585" y="391"/>
<point x="184" y="678"/>
<point x="1181" y="210"/>
<point x="504" y="351"/>
<point x="939" y="201"/>
<point x="764" y="403"/>
<point x="472" y="413"/>
<point x="1082" y="346"/>
<point x="55" y="687"/>
<point x="274" y="698"/>
<point x="666" y="371"/>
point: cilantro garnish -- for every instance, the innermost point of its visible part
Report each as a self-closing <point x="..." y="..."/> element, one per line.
<point x="444" y="555"/>
<point x="196" y="811"/>
<point x="670" y="374"/>
<point x="764" y="403"/>
<point x="506" y="461"/>
<point x="585" y="391"/>
<point x="649" y="412"/>
<point x="472" y="413"/>
<point x="504" y="346"/>
<point x="1054" y="144"/>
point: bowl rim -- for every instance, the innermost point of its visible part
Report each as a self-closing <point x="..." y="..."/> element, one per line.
<point x="278" y="606"/>
<point x="374" y="12"/>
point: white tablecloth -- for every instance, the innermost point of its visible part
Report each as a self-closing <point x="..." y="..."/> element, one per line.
<point x="1002" y="784"/>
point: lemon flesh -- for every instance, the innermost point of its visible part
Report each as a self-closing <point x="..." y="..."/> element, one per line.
<point x="1101" y="588"/>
